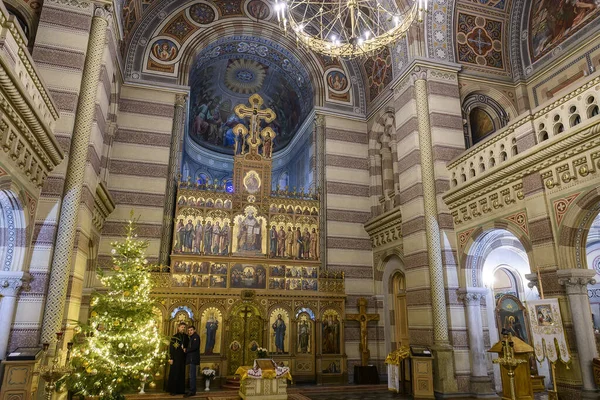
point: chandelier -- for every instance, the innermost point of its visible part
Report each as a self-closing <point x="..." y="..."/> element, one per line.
<point x="348" y="28"/>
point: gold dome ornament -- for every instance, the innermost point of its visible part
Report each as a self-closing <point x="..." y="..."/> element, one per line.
<point x="152" y="385"/>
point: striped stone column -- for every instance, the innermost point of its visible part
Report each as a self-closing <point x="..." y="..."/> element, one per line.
<point x="432" y="229"/>
<point x="69" y="210"/>
<point x="444" y="378"/>
<point x="170" y="193"/>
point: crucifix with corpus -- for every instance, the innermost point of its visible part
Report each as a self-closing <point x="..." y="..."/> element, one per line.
<point x="364" y="319"/>
<point x="249" y="140"/>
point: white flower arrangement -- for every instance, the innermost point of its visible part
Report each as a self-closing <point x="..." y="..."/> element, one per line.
<point x="262" y="352"/>
<point x="209" y="373"/>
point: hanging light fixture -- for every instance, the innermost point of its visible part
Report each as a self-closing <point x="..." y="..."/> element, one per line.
<point x="348" y="28"/>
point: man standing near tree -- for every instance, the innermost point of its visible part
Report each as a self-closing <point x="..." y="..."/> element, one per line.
<point x="179" y="341"/>
<point x="192" y="358"/>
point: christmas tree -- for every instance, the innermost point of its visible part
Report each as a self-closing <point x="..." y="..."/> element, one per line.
<point x="120" y="348"/>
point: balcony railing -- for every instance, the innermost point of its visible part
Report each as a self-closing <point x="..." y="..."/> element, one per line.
<point x="544" y="124"/>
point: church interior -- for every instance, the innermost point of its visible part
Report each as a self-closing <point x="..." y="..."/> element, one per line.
<point x="414" y="211"/>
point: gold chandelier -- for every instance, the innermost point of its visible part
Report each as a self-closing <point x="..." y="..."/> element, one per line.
<point x="348" y="28"/>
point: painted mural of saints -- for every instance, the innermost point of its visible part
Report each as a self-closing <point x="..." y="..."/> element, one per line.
<point x="250" y="235"/>
<point x="164" y="50"/>
<point x="337" y="81"/>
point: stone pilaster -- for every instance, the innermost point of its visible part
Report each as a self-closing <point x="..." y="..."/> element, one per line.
<point x="576" y="282"/>
<point x="321" y="187"/>
<point x="176" y="139"/>
<point x="480" y="381"/>
<point x="444" y="379"/>
<point x="69" y="210"/>
<point x="11" y="284"/>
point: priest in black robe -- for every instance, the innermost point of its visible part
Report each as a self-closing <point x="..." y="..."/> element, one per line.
<point x="179" y="341"/>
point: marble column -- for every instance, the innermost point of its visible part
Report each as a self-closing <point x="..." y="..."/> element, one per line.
<point x="444" y="379"/>
<point x="171" y="191"/>
<point x="11" y="284"/>
<point x="480" y="380"/>
<point x="576" y="282"/>
<point x="71" y="200"/>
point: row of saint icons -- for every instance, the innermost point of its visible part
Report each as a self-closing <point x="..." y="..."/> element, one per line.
<point x="214" y="239"/>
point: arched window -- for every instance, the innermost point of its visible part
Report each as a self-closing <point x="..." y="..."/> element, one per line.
<point x="483" y="116"/>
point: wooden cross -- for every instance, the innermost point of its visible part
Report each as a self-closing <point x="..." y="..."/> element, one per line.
<point x="256" y="114"/>
<point x="364" y="319"/>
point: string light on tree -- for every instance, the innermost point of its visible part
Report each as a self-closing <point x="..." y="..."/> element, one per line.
<point x="120" y="348"/>
<point x="348" y="28"/>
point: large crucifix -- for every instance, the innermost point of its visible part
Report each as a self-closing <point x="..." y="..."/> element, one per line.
<point x="364" y="319"/>
<point x="252" y="138"/>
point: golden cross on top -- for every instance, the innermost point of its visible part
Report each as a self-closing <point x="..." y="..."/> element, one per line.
<point x="249" y="140"/>
<point x="364" y="319"/>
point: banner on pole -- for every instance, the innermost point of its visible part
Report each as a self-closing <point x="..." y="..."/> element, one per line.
<point x="548" y="334"/>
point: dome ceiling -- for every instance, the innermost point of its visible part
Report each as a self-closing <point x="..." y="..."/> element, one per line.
<point x="228" y="72"/>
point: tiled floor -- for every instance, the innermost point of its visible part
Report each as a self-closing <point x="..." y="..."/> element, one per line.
<point x="379" y="395"/>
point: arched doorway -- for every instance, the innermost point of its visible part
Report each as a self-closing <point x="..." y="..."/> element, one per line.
<point x="13" y="228"/>
<point x="592" y="252"/>
<point x="495" y="265"/>
<point x="400" y="311"/>
<point x="394" y="301"/>
<point x="12" y="232"/>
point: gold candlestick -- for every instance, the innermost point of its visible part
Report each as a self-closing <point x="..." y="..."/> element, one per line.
<point x="53" y="370"/>
<point x="509" y="362"/>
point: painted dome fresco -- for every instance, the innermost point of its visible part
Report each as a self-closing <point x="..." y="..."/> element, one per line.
<point x="228" y="72"/>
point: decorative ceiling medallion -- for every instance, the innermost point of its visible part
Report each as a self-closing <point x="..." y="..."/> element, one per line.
<point x="479" y="40"/>
<point x="245" y="76"/>
<point x="202" y="14"/>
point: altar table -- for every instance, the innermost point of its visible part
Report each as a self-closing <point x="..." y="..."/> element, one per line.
<point x="268" y="383"/>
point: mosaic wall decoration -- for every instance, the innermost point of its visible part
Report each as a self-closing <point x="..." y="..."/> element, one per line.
<point x="497" y="4"/>
<point x="479" y="41"/>
<point x="378" y="69"/>
<point x="553" y="22"/>
<point x="202" y="13"/>
<point x="180" y="28"/>
<point x="258" y="10"/>
<point x="229" y="70"/>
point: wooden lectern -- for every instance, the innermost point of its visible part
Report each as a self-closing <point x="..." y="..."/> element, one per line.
<point x="523" y="385"/>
